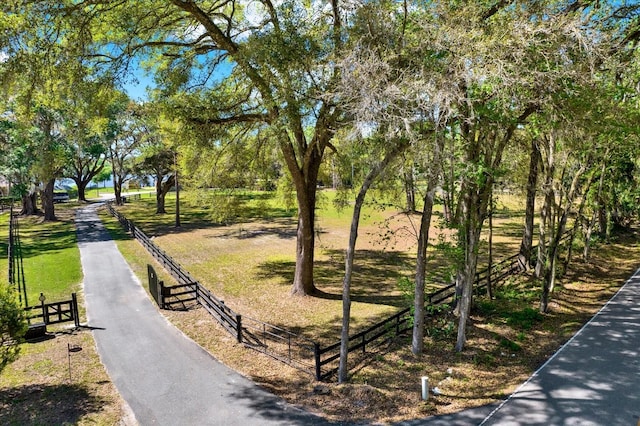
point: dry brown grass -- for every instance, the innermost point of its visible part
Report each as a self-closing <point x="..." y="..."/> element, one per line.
<point x="250" y="266"/>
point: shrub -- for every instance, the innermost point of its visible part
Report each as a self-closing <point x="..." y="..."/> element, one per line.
<point x="510" y="345"/>
<point x="13" y="325"/>
<point x="523" y="319"/>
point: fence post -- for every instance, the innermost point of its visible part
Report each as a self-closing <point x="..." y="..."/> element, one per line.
<point x="74" y="310"/>
<point x="161" y="294"/>
<point x="239" y="325"/>
<point x="45" y="317"/>
<point x="316" y="357"/>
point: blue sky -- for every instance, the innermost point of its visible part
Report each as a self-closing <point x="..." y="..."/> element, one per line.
<point x="138" y="91"/>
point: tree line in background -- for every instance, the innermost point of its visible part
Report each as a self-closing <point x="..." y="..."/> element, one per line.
<point x="444" y="101"/>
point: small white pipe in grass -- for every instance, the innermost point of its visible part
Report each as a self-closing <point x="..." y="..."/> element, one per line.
<point x="425" y="388"/>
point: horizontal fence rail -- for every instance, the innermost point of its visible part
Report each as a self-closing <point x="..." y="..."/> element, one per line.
<point x="281" y="344"/>
<point x="393" y="326"/>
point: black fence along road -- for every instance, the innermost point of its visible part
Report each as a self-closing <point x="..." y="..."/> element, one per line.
<point x="165" y="377"/>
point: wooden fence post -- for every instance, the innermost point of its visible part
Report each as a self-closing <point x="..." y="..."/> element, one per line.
<point x="316" y="357"/>
<point x="239" y="329"/>
<point x="74" y="310"/>
<point x="161" y="294"/>
<point x="45" y="316"/>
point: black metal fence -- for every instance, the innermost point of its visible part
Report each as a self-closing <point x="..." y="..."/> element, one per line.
<point x="279" y="343"/>
<point x="16" y="268"/>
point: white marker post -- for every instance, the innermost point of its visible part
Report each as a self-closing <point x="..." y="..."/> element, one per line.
<point x="425" y="388"/>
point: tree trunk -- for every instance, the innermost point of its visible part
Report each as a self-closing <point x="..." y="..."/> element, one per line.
<point x="474" y="206"/>
<point x="346" y="283"/>
<point x="547" y="286"/>
<point x="162" y="189"/>
<point x="417" y="340"/>
<point x="305" y="180"/>
<point x="409" y="189"/>
<point x="490" y="263"/>
<point x="81" y="184"/>
<point x="29" y="205"/>
<point x="602" y="219"/>
<point x="472" y="239"/>
<point x="84" y="171"/>
<point x="348" y="269"/>
<point x="160" y="209"/>
<point x="576" y="225"/>
<point x="82" y="188"/>
<point x="117" y="183"/>
<point x="546" y="212"/>
<point x="586" y="252"/>
<point x="448" y="193"/>
<point x="526" y="245"/>
<point x="47" y="201"/>
<point x="557" y="231"/>
<point x="177" y="185"/>
<point x="594" y="216"/>
<point x="305" y="240"/>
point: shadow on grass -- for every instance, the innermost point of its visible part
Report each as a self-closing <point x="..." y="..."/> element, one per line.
<point x="55" y="238"/>
<point x="375" y="276"/>
<point x="91" y="230"/>
<point x="46" y="404"/>
<point x="283" y="228"/>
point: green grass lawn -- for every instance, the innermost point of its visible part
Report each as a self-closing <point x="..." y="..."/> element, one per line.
<point x="249" y="258"/>
<point x="50" y="257"/>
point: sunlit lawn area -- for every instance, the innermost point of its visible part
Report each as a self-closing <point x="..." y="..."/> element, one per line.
<point x="50" y="256"/>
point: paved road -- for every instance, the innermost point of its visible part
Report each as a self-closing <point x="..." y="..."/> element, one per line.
<point x="165" y="377"/>
<point x="593" y="380"/>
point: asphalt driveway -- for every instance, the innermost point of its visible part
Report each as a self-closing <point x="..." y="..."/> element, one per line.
<point x="165" y="377"/>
